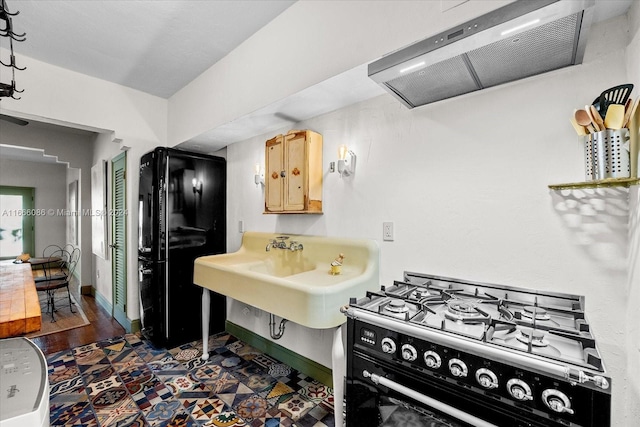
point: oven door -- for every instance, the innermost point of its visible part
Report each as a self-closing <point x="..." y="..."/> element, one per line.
<point x="381" y="394"/>
<point x="378" y="396"/>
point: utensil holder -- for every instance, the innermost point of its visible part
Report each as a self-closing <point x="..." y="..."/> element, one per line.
<point x="606" y="154"/>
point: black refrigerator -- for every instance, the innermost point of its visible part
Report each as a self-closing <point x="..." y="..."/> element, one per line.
<point x="182" y="216"/>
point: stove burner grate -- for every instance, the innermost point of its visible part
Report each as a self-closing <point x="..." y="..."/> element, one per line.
<point x="535" y="337"/>
<point x="465" y="311"/>
<point x="536" y="313"/>
<point x="420" y="293"/>
<point x="396" y="306"/>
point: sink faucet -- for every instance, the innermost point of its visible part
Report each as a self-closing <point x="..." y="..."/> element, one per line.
<point x="295" y="246"/>
<point x="278" y="242"/>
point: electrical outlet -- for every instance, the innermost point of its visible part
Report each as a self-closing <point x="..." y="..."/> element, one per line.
<point x="387" y="231"/>
<point x="241" y="226"/>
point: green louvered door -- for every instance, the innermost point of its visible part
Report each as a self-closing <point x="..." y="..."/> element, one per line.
<point x="119" y="235"/>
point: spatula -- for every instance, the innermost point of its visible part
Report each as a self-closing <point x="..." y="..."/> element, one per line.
<point x="615" y="116"/>
<point x="615" y="95"/>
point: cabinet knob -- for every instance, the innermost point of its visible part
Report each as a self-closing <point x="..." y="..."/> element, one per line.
<point x="295" y="171"/>
<point x="274" y="175"/>
<point x="283" y="173"/>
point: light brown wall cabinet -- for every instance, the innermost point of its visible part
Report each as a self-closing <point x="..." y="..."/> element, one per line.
<point x="293" y="173"/>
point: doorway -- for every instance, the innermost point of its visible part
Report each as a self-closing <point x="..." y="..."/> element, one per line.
<point x="17" y="216"/>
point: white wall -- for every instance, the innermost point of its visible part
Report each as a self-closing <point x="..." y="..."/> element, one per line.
<point x="465" y="182"/>
<point x="633" y="280"/>
<point x="50" y="193"/>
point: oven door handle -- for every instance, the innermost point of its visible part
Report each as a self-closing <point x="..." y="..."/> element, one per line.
<point x="435" y="404"/>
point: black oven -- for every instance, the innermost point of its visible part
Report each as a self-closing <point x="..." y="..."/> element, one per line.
<point x="384" y="389"/>
<point x="436" y="351"/>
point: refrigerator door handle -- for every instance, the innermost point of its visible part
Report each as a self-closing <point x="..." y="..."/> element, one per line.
<point x="145" y="271"/>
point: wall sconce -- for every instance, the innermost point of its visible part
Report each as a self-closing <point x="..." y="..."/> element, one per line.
<point x="197" y="186"/>
<point x="346" y="161"/>
<point x="258" y="177"/>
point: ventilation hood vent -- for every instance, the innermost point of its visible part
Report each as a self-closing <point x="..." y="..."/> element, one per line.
<point x="519" y="40"/>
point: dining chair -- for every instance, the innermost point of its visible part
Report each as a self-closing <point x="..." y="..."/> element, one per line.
<point x="59" y="274"/>
<point x="50" y="253"/>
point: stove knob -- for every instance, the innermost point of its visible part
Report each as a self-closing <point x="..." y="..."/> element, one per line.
<point x="458" y="368"/>
<point x="557" y="401"/>
<point x="409" y="353"/>
<point x="388" y="345"/>
<point x="486" y="378"/>
<point x="432" y="359"/>
<point x="519" y="389"/>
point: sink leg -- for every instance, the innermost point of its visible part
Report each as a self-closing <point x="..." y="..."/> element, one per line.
<point x="338" y="372"/>
<point x="206" y="307"/>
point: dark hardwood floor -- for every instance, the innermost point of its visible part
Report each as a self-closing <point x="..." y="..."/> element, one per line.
<point x="101" y="326"/>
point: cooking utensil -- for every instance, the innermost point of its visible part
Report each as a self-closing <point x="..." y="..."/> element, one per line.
<point x="593" y="121"/>
<point x="596" y="103"/>
<point x="634" y="139"/>
<point x="580" y="130"/>
<point x="595" y="116"/>
<point x="615" y="116"/>
<point x="628" y="112"/>
<point x="615" y="95"/>
<point x="583" y="119"/>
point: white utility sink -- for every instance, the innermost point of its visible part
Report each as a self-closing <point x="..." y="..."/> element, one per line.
<point x="295" y="285"/>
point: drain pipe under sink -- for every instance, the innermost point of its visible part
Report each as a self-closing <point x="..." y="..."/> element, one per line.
<point x="272" y="327"/>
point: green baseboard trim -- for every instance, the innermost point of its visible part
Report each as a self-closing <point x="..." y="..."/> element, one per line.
<point x="136" y="326"/>
<point x="132" y="326"/>
<point x="102" y="301"/>
<point x="307" y="366"/>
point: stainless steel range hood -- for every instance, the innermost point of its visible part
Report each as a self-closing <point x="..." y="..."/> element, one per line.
<point x="519" y="40"/>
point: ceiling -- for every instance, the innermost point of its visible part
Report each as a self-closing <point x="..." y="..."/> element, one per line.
<point x="159" y="46"/>
<point x="153" y="46"/>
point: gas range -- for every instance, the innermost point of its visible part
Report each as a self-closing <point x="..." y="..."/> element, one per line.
<point x="531" y="353"/>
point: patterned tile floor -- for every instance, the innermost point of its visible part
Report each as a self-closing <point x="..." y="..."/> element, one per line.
<point x="125" y="381"/>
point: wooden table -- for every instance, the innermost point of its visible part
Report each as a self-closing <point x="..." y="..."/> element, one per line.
<point x="19" y="306"/>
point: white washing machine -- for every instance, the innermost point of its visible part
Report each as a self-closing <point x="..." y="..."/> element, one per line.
<point x="24" y="384"/>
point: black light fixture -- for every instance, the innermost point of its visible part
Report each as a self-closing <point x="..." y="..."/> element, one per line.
<point x="6" y="30"/>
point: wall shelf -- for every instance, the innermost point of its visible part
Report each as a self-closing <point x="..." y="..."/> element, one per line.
<point x="611" y="182"/>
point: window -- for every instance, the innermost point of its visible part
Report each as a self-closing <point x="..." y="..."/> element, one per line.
<point x="17" y="216"/>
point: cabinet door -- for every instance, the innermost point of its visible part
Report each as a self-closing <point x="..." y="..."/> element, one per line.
<point x="274" y="166"/>
<point x="295" y="163"/>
